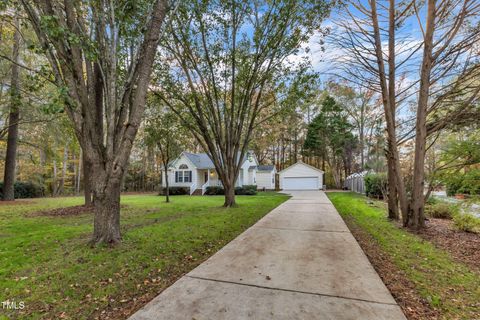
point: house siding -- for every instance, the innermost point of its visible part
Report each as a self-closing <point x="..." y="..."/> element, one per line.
<point x="264" y="180"/>
<point x="249" y="175"/>
<point x="177" y="164"/>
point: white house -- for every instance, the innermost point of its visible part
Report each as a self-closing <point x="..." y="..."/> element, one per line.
<point x="301" y="176"/>
<point x="266" y="177"/>
<point x="197" y="172"/>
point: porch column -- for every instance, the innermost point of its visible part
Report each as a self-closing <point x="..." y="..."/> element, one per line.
<point x="208" y="177"/>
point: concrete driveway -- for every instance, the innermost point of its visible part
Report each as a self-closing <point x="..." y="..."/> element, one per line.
<point x="298" y="262"/>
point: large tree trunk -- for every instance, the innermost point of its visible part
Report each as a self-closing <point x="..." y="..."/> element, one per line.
<point x="229" y="195"/>
<point x="118" y="104"/>
<point x="106" y="228"/>
<point x="417" y="219"/>
<point x="13" y="118"/>
<point x="389" y="97"/>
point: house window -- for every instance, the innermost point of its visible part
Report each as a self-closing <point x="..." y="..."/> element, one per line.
<point x="183" y="176"/>
<point x="187" y="176"/>
<point x="183" y="166"/>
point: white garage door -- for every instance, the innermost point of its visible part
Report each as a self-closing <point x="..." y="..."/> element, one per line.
<point x="300" y="183"/>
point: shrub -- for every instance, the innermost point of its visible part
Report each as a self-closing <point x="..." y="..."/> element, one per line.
<point x="440" y="210"/>
<point x="471" y="182"/>
<point x="431" y="201"/>
<point x="466" y="222"/>
<point x="453" y="185"/>
<point x="375" y="184"/>
<point x="468" y="183"/>
<point x="25" y="190"/>
<point x="175" y="191"/>
<point x="214" y="191"/>
<point x="247" y="190"/>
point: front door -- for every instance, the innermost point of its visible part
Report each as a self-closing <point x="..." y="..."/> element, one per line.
<point x="205" y="177"/>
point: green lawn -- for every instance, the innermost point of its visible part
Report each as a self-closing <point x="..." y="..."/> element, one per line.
<point x="450" y="287"/>
<point x="45" y="261"/>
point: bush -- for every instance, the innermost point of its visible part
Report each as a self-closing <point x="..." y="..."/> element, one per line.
<point x="468" y="183"/>
<point x="453" y="185"/>
<point x="24" y="190"/>
<point x="247" y="190"/>
<point x="375" y="184"/>
<point x="175" y="191"/>
<point x="440" y="210"/>
<point x="466" y="222"/>
<point x="214" y="191"/>
<point x="431" y="201"/>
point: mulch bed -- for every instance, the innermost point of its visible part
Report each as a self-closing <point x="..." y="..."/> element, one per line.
<point x="63" y="212"/>
<point x="463" y="246"/>
<point x="403" y="290"/>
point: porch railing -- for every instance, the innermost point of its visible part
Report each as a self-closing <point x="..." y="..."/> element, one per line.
<point x="204" y="187"/>
<point x="193" y="187"/>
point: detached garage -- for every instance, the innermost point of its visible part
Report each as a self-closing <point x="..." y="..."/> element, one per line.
<point x="301" y="176"/>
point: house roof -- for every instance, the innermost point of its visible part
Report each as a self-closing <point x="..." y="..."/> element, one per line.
<point x="303" y="164"/>
<point x="265" y="168"/>
<point x="203" y="161"/>
<point x="200" y="160"/>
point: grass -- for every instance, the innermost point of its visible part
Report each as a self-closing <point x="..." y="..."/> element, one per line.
<point x="450" y="287"/>
<point x="45" y="261"/>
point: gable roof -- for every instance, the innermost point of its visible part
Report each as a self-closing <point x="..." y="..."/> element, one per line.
<point x="265" y="168"/>
<point x="301" y="163"/>
<point x="200" y="160"/>
<point x="203" y="161"/>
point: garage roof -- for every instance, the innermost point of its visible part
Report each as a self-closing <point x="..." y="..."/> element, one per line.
<point x="303" y="164"/>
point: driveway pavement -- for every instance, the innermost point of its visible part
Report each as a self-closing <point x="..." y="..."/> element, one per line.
<point x="300" y="261"/>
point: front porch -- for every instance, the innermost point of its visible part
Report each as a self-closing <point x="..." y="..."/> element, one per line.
<point x="206" y="178"/>
<point x="198" y="180"/>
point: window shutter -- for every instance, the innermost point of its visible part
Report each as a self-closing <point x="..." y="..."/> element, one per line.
<point x="176" y="176"/>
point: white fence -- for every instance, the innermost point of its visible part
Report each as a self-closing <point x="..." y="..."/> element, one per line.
<point x="356" y="182"/>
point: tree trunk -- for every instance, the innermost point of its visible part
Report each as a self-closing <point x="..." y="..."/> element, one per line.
<point x="95" y="98"/>
<point x="13" y="118"/>
<point x="87" y="183"/>
<point x="61" y="187"/>
<point x="79" y="172"/>
<point x="229" y="195"/>
<point x="54" y="182"/>
<point x="106" y="225"/>
<point x="167" y="186"/>
<point x="417" y="219"/>
<point x="392" y="198"/>
<point x="75" y="169"/>
<point x="388" y="97"/>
